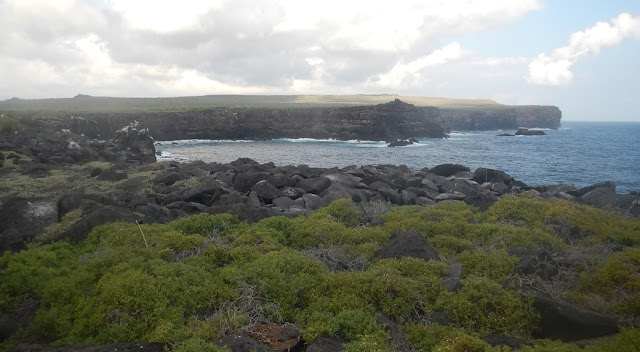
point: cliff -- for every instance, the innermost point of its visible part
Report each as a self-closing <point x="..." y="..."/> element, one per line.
<point x="501" y="117"/>
<point x="388" y="121"/>
<point x="269" y="117"/>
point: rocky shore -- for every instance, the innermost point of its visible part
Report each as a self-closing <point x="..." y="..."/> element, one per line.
<point x="80" y="182"/>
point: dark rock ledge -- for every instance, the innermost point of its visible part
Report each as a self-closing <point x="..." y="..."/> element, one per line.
<point x="254" y="191"/>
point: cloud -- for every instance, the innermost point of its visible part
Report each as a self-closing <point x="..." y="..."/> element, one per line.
<point x="145" y="48"/>
<point x="555" y="69"/>
<point x="411" y="73"/>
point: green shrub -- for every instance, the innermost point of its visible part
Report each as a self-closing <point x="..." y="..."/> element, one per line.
<point x="198" y="345"/>
<point x="207" y="225"/>
<point x="495" y="264"/>
<point x="442" y="338"/>
<point x="606" y="226"/>
<point x="343" y="211"/>
<point x="482" y="305"/>
<point x="449" y="245"/>
<point x="280" y="228"/>
<point x="318" y="231"/>
<point x="375" y="342"/>
<point x="286" y="277"/>
<point x="618" y="280"/>
<point x="520" y="209"/>
<point x="10" y="125"/>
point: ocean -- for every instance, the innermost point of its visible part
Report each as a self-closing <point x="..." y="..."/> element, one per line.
<point x="579" y="153"/>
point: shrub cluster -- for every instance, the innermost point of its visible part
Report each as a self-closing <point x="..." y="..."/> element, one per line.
<point x="192" y="281"/>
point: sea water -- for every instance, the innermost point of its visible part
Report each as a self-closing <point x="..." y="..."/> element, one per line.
<point x="580" y="153"/>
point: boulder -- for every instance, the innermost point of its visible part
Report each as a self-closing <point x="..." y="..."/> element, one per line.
<point x="253" y="200"/>
<point x="535" y="261"/>
<point x="285" y="338"/>
<point x="392" y="329"/>
<point x="311" y="201"/>
<point x="407" y="244"/>
<point x="327" y="344"/>
<point x="602" y="197"/>
<point x="112" y="175"/>
<point x="283" y="202"/>
<point x="584" y="190"/>
<point x="35" y="170"/>
<point x="135" y="143"/>
<point x="439" y="317"/>
<point x="204" y="193"/>
<point x="168" y="178"/>
<point x="233" y="198"/>
<point x="186" y="207"/>
<point x="266" y="191"/>
<point x="292" y="192"/>
<point x="482" y="200"/>
<point x="281" y="180"/>
<point x="19" y="318"/>
<point x="482" y="175"/>
<point x="452" y="280"/>
<point x="459" y="185"/>
<point x="101" y="215"/>
<point x="447" y="170"/>
<point x="245" y="212"/>
<point x="314" y="184"/>
<point x="450" y="196"/>
<point x="22" y="219"/>
<point x="562" y="321"/>
<point x="242" y="343"/>
<point x="244" y="181"/>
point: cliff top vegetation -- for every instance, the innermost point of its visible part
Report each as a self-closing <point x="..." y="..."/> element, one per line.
<point x="90" y="104"/>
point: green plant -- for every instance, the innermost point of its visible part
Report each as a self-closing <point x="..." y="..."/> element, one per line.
<point x="286" y="277"/>
<point x="343" y="211"/>
<point x="198" y="345"/>
<point x="495" y="264"/>
<point x="10" y="125"/>
<point x="208" y="225"/>
<point x="618" y="280"/>
<point x="484" y="306"/>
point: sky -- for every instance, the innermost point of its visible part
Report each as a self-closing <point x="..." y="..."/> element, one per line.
<point x="580" y="55"/>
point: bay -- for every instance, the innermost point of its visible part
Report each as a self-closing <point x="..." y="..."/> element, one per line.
<point x="580" y="153"/>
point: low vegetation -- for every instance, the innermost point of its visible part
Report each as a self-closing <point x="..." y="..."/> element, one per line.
<point x="192" y="281"/>
<point x="90" y="104"/>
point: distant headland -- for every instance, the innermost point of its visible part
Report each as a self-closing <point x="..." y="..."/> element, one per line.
<point x="260" y="117"/>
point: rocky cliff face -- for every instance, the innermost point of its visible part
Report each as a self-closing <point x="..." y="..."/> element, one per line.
<point x="390" y="121"/>
<point x="501" y="117"/>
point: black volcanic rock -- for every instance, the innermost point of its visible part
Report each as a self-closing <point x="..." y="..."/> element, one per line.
<point x="482" y="175"/>
<point x="408" y="244"/>
<point x="136" y="143"/>
<point x="566" y="322"/>
<point x="528" y="132"/>
<point x="447" y="170"/>
<point x="314" y="184"/>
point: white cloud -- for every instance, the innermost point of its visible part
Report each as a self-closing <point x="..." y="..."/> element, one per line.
<point x="145" y="48"/>
<point x="555" y="69"/>
<point x="163" y="16"/>
<point x="412" y="73"/>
